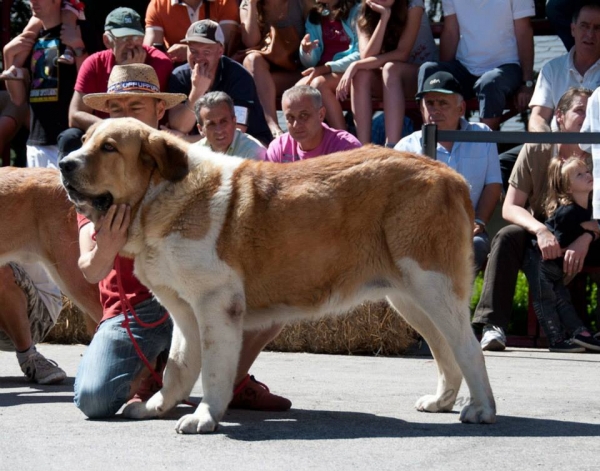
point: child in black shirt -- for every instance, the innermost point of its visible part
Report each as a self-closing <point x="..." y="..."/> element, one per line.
<point x="569" y="216"/>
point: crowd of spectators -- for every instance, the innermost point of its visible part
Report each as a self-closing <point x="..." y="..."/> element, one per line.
<point x="221" y="69"/>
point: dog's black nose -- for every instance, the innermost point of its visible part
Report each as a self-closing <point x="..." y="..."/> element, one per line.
<point x="67" y="166"/>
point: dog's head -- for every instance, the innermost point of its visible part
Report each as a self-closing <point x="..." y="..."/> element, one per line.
<point x="116" y="163"/>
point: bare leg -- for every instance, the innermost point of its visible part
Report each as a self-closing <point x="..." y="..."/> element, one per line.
<point x="34" y="26"/>
<point x="13" y="312"/>
<point x="68" y="18"/>
<point x="8" y="130"/>
<point x="493" y="123"/>
<point x="327" y="84"/>
<point x="399" y="81"/>
<point x="362" y="106"/>
<point x="253" y="344"/>
<point x="260" y="69"/>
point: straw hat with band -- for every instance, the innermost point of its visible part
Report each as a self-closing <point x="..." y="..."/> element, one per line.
<point x="132" y="80"/>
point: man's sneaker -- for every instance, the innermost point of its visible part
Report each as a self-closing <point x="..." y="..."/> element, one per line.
<point x="566" y="346"/>
<point x="493" y="338"/>
<point x="254" y="395"/>
<point x="589" y="343"/>
<point x="597" y="335"/>
<point x="41" y="370"/>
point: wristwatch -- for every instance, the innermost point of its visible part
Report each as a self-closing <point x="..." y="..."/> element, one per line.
<point x="528" y="83"/>
<point x="79" y="51"/>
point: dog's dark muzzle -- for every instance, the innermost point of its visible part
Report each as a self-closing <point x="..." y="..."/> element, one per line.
<point x="68" y="169"/>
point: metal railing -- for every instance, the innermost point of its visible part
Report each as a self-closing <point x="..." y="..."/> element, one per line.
<point x="431" y="136"/>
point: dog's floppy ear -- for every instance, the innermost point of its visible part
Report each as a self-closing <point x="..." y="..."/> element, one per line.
<point x="90" y="131"/>
<point x="168" y="154"/>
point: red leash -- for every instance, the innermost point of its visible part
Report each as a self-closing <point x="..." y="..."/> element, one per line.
<point x="128" y="308"/>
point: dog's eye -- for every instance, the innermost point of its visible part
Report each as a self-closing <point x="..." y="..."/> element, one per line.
<point x="108" y="148"/>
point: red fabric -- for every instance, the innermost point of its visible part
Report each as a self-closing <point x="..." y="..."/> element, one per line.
<point x="335" y="39"/>
<point x="95" y="70"/>
<point x="109" y="290"/>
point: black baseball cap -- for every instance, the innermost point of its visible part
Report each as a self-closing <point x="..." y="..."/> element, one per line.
<point x="441" y="82"/>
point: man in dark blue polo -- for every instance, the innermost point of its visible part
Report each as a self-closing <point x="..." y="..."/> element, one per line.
<point x="208" y="70"/>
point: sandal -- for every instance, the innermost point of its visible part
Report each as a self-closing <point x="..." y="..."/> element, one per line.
<point x="67" y="57"/>
<point x="12" y="73"/>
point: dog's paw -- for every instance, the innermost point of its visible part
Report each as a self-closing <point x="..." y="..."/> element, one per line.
<point x="473" y="414"/>
<point x="433" y="403"/>
<point x="139" y="411"/>
<point x="196" y="423"/>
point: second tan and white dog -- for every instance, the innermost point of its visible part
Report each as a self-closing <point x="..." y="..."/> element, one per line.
<point x="228" y="244"/>
<point x="38" y="224"/>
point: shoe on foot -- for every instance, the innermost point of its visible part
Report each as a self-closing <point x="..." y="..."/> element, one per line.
<point x="67" y="57"/>
<point x="150" y="385"/>
<point x="493" y="338"/>
<point x="597" y="335"/>
<point x="589" y="343"/>
<point x="12" y="73"/>
<point x="566" y="346"/>
<point x="41" y="370"/>
<point x="254" y="395"/>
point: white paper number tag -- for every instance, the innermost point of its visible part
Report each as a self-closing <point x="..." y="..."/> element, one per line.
<point x="241" y="115"/>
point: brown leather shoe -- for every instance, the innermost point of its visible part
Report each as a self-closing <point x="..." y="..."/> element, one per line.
<point x="254" y="395"/>
<point x="151" y="385"/>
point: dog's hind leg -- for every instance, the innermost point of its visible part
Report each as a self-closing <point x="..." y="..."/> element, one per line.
<point x="220" y="318"/>
<point x="183" y="366"/>
<point x="434" y="293"/>
<point x="449" y="374"/>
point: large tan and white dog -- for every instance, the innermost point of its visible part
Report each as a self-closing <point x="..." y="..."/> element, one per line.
<point x="228" y="244"/>
<point x="38" y="224"/>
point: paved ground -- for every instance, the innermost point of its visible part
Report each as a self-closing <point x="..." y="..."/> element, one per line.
<point x="349" y="413"/>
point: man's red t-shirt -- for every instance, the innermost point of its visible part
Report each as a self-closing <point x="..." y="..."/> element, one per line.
<point x="110" y="298"/>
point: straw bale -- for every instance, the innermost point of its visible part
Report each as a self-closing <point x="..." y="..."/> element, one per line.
<point x="71" y="326"/>
<point x="371" y="329"/>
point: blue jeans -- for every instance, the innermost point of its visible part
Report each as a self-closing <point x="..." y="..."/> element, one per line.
<point x="110" y="363"/>
<point x="550" y="297"/>
<point x="491" y="89"/>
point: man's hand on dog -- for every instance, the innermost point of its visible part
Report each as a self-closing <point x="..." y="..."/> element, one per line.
<point x="111" y="229"/>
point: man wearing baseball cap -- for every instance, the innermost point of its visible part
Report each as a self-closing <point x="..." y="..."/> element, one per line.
<point x="442" y="104"/>
<point x="168" y="20"/>
<point x="123" y="36"/>
<point x="208" y="70"/>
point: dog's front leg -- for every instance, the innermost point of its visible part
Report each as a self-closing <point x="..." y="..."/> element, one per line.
<point x="220" y="318"/>
<point x="183" y="367"/>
